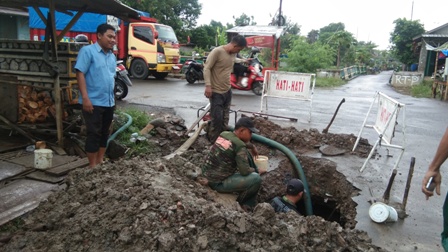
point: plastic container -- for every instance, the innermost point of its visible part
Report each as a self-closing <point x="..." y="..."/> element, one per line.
<point x="262" y="163"/>
<point x="43" y="158"/>
<point x="381" y="213"/>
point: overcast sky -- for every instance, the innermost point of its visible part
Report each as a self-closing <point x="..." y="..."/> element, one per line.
<point x="366" y="20"/>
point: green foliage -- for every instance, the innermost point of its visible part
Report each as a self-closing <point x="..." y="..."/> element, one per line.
<point x="329" y="82"/>
<point x="139" y="120"/>
<point x="244" y="20"/>
<point x="181" y="15"/>
<point x="401" y="39"/>
<point x="423" y="90"/>
<point x="312" y="36"/>
<point x="306" y="58"/>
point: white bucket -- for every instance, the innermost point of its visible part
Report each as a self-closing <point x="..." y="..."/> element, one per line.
<point x="43" y="158"/>
<point x="380" y="213"/>
<point x="262" y="163"/>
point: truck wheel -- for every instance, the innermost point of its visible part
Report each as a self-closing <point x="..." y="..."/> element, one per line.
<point x="139" y="69"/>
<point x="160" y="76"/>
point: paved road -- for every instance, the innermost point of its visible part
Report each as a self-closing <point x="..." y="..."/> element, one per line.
<point x="425" y="122"/>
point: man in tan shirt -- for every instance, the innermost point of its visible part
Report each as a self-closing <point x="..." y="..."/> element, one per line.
<point x="217" y="70"/>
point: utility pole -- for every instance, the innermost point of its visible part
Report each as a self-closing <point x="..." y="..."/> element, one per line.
<point x="412" y="9"/>
<point x="277" y="49"/>
<point x="280" y="14"/>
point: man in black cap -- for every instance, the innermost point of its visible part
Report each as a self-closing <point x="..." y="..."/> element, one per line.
<point x="294" y="192"/>
<point x="227" y="167"/>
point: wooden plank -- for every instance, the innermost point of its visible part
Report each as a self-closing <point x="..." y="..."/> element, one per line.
<point x="64" y="169"/>
<point x="58" y="150"/>
<point x="42" y="176"/>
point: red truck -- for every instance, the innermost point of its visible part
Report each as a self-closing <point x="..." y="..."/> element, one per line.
<point x="147" y="47"/>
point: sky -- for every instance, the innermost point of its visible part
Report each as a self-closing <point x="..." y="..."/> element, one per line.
<point x="366" y="20"/>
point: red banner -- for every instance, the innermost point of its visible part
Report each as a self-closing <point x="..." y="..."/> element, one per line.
<point x="260" y="41"/>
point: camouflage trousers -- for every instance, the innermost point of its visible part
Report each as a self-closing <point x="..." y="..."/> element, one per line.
<point x="246" y="186"/>
<point x="219" y="113"/>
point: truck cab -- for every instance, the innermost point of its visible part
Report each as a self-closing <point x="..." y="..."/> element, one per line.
<point x="152" y="49"/>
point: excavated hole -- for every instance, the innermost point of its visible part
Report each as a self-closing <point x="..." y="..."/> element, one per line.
<point x="331" y="193"/>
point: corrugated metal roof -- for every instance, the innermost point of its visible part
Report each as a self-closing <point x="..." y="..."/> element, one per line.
<point x="13" y="11"/>
<point x="435" y="35"/>
<point x="108" y="7"/>
<point x="261" y="30"/>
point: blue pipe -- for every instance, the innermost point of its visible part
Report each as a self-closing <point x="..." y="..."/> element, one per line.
<point x="121" y="129"/>
<point x="295" y="162"/>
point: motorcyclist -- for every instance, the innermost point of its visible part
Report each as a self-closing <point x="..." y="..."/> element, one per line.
<point x="239" y="69"/>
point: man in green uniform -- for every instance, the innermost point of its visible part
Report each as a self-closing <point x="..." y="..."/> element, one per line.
<point x="294" y="192"/>
<point x="227" y="166"/>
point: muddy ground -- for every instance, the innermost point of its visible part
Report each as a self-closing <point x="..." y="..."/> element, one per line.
<point x="149" y="203"/>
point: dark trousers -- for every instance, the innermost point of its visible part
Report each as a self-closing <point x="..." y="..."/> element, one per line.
<point x="219" y="113"/>
<point x="239" y="69"/>
<point x="97" y="126"/>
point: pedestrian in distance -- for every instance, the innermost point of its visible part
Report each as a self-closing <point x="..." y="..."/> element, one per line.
<point x="217" y="70"/>
<point x="288" y="202"/>
<point x="434" y="173"/>
<point x="95" y="72"/>
<point x="229" y="165"/>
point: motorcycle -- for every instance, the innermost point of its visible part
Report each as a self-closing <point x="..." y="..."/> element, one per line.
<point x="195" y="71"/>
<point x="253" y="78"/>
<point x="122" y="81"/>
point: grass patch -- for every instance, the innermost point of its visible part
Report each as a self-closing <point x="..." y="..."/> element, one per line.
<point x="423" y="90"/>
<point x="329" y="82"/>
<point x="139" y="121"/>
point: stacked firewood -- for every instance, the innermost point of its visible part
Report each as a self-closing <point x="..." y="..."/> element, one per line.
<point x="34" y="106"/>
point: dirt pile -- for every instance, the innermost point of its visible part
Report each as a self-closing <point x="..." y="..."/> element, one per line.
<point x="154" y="204"/>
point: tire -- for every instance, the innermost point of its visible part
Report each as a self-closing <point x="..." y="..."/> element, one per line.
<point x="189" y="76"/>
<point x="139" y="69"/>
<point x="120" y="90"/>
<point x="160" y="76"/>
<point x="257" y="88"/>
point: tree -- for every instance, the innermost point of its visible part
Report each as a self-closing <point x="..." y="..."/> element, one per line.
<point x="244" y="20"/>
<point x="341" y="40"/>
<point x="401" y="39"/>
<point x="307" y="58"/>
<point x="313" y="36"/>
<point x="181" y="15"/>
<point x="327" y="31"/>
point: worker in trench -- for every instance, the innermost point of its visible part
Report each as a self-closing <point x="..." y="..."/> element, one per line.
<point x="229" y="166"/>
<point x="288" y="202"/>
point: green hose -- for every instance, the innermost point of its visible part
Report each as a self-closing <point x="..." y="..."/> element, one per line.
<point x="121" y="129"/>
<point x="295" y="162"/>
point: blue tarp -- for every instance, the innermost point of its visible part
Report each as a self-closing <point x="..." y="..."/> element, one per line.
<point x="88" y="22"/>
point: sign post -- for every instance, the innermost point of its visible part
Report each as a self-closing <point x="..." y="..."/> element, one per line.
<point x="288" y="85"/>
<point x="385" y="122"/>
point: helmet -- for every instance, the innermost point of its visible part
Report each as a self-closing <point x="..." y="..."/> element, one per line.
<point x="81" y="38"/>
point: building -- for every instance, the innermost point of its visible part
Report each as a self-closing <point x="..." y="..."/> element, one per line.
<point x="14" y="23"/>
<point x="425" y="44"/>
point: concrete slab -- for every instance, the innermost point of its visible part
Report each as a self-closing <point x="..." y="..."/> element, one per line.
<point x="22" y="196"/>
<point x="8" y="169"/>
